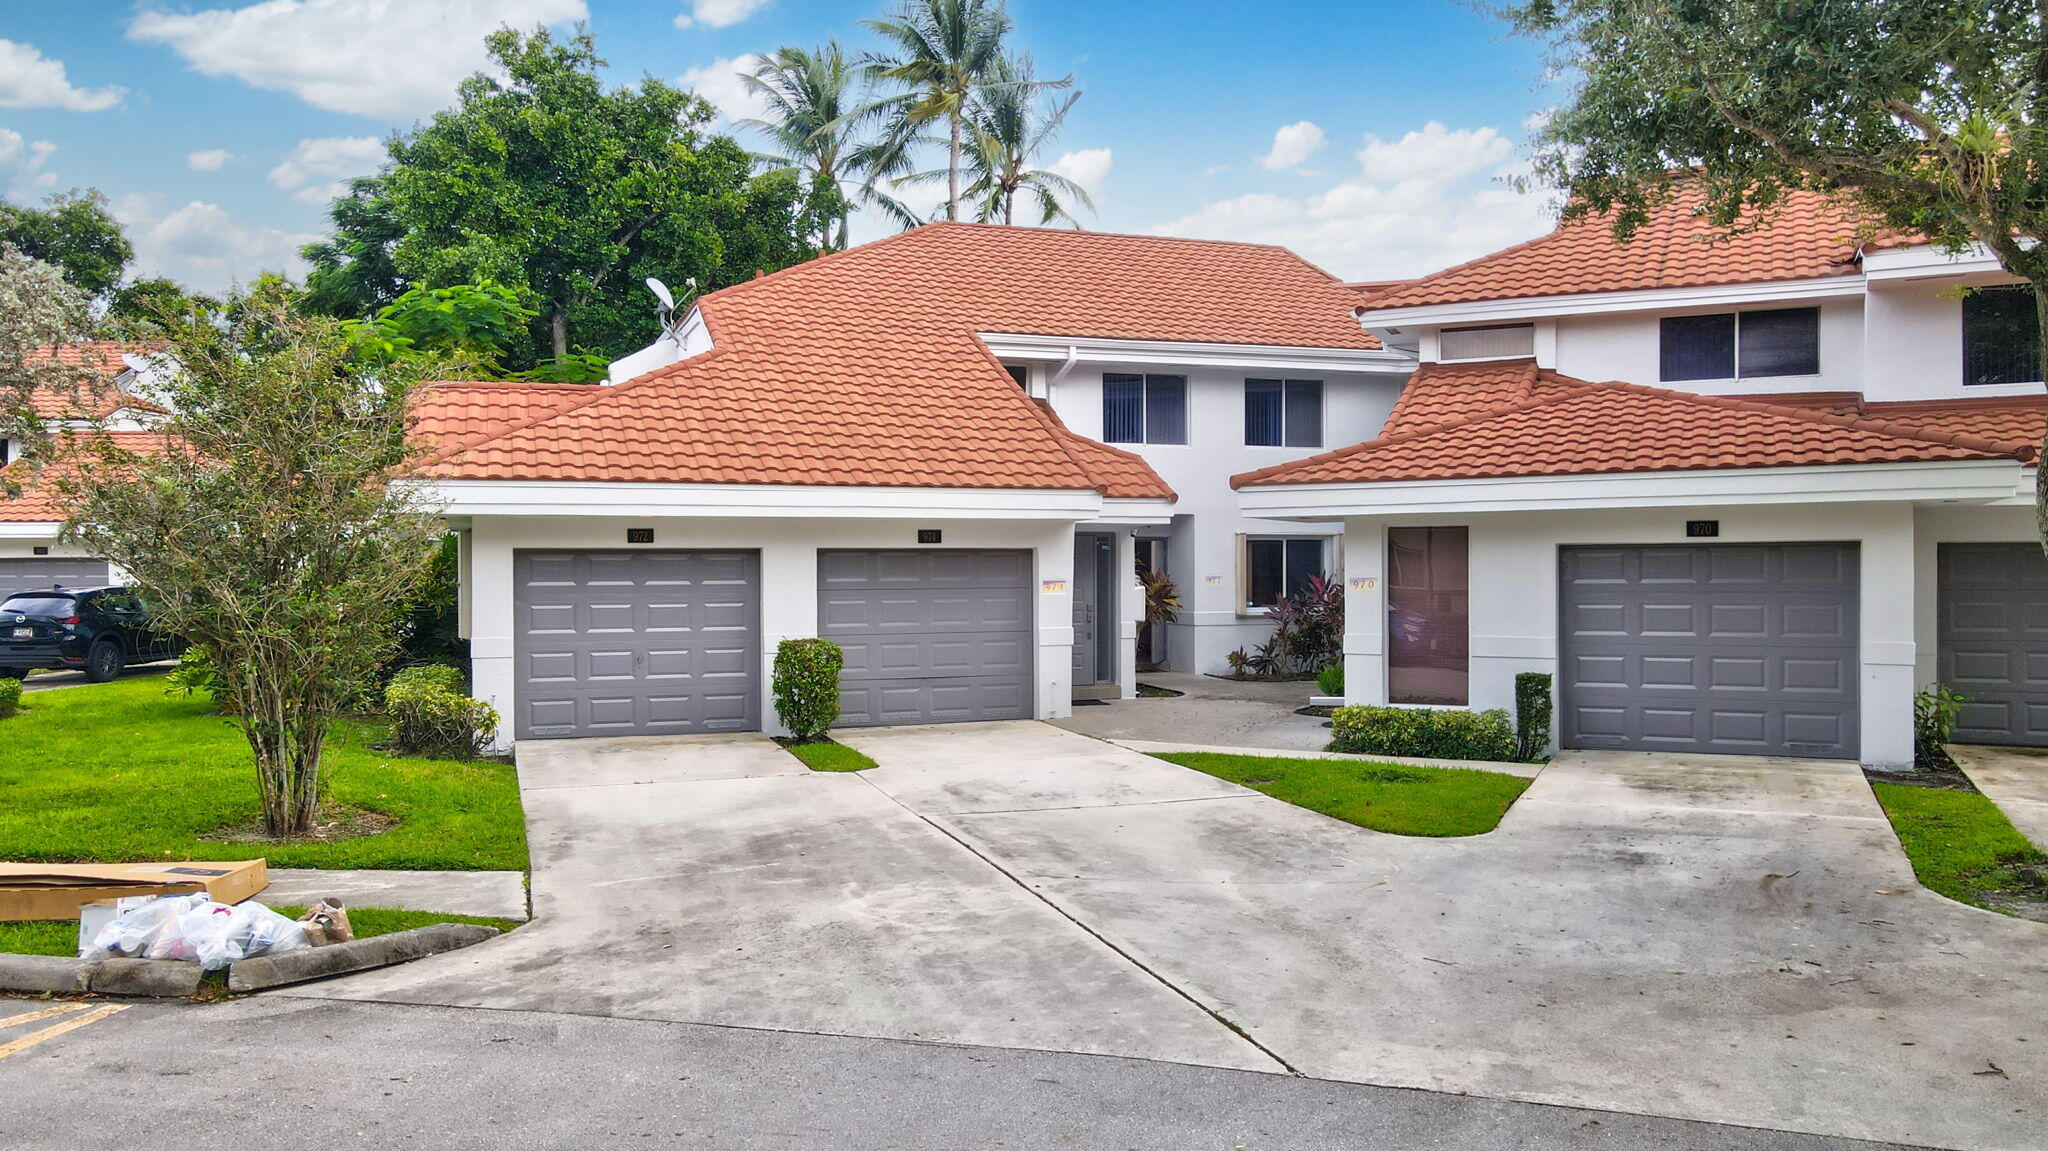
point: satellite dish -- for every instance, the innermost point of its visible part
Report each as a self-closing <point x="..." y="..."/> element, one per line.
<point x="661" y="293"/>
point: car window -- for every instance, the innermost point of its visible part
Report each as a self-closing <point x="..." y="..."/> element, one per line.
<point x="59" y="605"/>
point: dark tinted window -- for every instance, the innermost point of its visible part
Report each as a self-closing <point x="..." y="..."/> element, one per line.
<point x="1264" y="413"/>
<point x="1277" y="567"/>
<point x="1782" y="342"/>
<point x="1428" y="642"/>
<point x="1019" y="373"/>
<point x="1166" y="409"/>
<point x="1144" y="409"/>
<point x="1283" y="413"/>
<point x="57" y="605"/>
<point x="1123" y="409"/>
<point x="1697" y="347"/>
<point x="2001" y="337"/>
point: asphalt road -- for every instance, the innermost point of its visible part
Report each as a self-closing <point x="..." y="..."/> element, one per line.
<point x="48" y="680"/>
<point x="284" y="1072"/>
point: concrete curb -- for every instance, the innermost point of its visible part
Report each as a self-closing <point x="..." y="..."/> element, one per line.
<point x="267" y="971"/>
<point x="1150" y="747"/>
<point x="65" y="975"/>
<point x="54" y="974"/>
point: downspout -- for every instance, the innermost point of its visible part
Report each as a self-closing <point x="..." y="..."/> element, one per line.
<point x="1066" y="366"/>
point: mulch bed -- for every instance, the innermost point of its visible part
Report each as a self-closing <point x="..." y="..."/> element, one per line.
<point x="334" y="821"/>
<point x="1944" y="775"/>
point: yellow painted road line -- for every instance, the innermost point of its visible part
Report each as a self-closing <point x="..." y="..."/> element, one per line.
<point x="45" y="1013"/>
<point x="55" y="1029"/>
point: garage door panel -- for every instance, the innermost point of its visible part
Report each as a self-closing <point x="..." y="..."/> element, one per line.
<point x="1991" y="640"/>
<point x="1720" y="663"/>
<point x="638" y="643"/>
<point x="929" y="636"/>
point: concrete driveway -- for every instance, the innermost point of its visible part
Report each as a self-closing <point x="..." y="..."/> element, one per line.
<point x="1737" y="941"/>
<point x="1217" y="712"/>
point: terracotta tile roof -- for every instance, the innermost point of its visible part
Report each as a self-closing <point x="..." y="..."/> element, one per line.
<point x="1526" y="421"/>
<point x="1118" y="474"/>
<point x="454" y="413"/>
<point x="98" y="362"/>
<point x="39" y="501"/>
<point x="1809" y="236"/>
<point x="102" y="356"/>
<point x="863" y="367"/>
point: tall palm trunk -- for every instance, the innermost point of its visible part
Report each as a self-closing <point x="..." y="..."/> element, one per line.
<point x="953" y="169"/>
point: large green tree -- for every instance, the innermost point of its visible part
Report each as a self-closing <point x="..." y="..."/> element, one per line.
<point x="811" y="96"/>
<point x="543" y="179"/>
<point x="77" y="232"/>
<point x="1929" y="115"/>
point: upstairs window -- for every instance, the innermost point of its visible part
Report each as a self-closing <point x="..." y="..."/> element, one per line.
<point x="1283" y="413"/>
<point x="2001" y="337"/>
<point x="1281" y="566"/>
<point x="1019" y="373"/>
<point x="1496" y="342"/>
<point x="1745" y="345"/>
<point x="1144" y="409"/>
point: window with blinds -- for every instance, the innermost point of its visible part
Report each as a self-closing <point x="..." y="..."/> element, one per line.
<point x="1283" y="413"/>
<point x="1144" y="409"/>
<point x="1745" y="345"/>
<point x="1493" y="342"/>
<point x="2001" y="337"/>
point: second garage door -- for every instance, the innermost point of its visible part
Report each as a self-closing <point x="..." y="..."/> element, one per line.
<point x="1992" y="640"/>
<point x="39" y="573"/>
<point x="1736" y="649"/>
<point x="932" y="636"/>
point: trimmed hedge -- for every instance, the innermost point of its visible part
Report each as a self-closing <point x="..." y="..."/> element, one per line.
<point x="430" y="715"/>
<point x="10" y="696"/>
<point x="1533" y="710"/>
<point x="1424" y="733"/>
<point x="807" y="686"/>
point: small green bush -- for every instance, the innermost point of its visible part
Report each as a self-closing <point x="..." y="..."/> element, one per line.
<point x="1935" y="712"/>
<point x="431" y="717"/>
<point x="1426" y="733"/>
<point x="1533" y="709"/>
<point x="807" y="686"/>
<point x="1330" y="680"/>
<point x="10" y="697"/>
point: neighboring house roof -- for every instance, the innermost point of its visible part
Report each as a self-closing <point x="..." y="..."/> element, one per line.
<point x="92" y="396"/>
<point x="1808" y="236"/>
<point x="39" y="501"/>
<point x="102" y="356"/>
<point x="863" y="368"/>
<point x="1512" y="419"/>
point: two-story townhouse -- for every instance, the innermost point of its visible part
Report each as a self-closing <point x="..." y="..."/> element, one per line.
<point x="109" y="373"/>
<point x="1737" y="494"/>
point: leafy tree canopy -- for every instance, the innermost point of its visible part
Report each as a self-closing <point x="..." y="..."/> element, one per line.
<point x="75" y="231"/>
<point x="543" y="180"/>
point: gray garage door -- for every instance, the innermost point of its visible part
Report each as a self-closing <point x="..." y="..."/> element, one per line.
<point x="30" y="573"/>
<point x="1738" y="649"/>
<point x="1991" y="639"/>
<point x="930" y="636"/>
<point x="637" y="642"/>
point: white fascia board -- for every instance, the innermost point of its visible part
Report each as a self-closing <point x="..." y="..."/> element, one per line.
<point x="1528" y="308"/>
<point x="1925" y="261"/>
<point x="1969" y="481"/>
<point x="759" y="501"/>
<point x="1135" y="512"/>
<point x="1269" y="357"/>
<point x="29" y="530"/>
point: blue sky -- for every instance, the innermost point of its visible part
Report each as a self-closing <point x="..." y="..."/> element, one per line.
<point x="1370" y="137"/>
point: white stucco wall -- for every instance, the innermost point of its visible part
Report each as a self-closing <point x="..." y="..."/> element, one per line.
<point x="789" y="581"/>
<point x="1514" y="595"/>
<point x="1203" y="550"/>
<point x="1625" y="346"/>
<point x="1915" y="343"/>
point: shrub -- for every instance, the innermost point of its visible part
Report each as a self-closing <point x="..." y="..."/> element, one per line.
<point x="807" y="686"/>
<point x="1935" y="712"/>
<point x="1426" y="733"/>
<point x="430" y="715"/>
<point x="1533" y="710"/>
<point x="1308" y="633"/>
<point x="196" y="672"/>
<point x="10" y="696"/>
<point x="1330" y="680"/>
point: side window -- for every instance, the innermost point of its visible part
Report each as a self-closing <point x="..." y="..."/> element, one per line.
<point x="1696" y="348"/>
<point x="1144" y="409"/>
<point x="1283" y="413"/>
<point x="1276" y="566"/>
<point x="1746" y="345"/>
<point x="2001" y="337"/>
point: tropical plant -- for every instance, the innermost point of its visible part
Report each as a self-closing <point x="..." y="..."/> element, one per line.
<point x="1930" y="116"/>
<point x="267" y="528"/>
<point x="1008" y="128"/>
<point x="1308" y="633"/>
<point x="811" y="96"/>
<point x="1935" y="712"/>
<point x="1330" y="680"/>
<point x="938" y="54"/>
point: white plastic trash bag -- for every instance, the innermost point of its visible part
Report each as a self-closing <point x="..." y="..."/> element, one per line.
<point x="194" y="928"/>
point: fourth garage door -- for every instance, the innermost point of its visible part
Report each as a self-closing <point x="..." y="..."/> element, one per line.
<point x="1731" y="648"/>
<point x="931" y="636"/>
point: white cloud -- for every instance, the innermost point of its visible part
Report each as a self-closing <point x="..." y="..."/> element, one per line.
<point x="204" y="247"/>
<point x="719" y="82"/>
<point x="1436" y="153"/>
<point x="1088" y="167"/>
<point x="388" y="59"/>
<point x="24" y="165"/>
<point x="209" y="160"/>
<point x="1292" y="145"/>
<point x="327" y="160"/>
<point x="29" y="79"/>
<point x="1404" y="213"/>
<point x="718" y="13"/>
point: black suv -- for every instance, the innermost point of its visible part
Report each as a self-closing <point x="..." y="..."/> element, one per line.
<point x="97" y="630"/>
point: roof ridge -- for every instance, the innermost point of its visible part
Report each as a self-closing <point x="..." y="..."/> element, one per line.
<point x="1555" y="231"/>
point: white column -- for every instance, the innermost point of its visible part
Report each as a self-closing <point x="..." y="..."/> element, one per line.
<point x="1365" y="611"/>
<point x="1055" y="604"/>
<point x="489" y="576"/>
<point x="1130" y="611"/>
<point x="1887" y="576"/>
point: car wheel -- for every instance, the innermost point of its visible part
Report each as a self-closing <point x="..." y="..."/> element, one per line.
<point x="103" y="662"/>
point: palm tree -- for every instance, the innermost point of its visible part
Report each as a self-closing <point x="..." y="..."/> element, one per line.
<point x="940" y="52"/>
<point x="1007" y="129"/>
<point x="811" y="120"/>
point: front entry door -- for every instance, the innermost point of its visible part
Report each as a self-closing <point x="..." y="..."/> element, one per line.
<point x="1094" y="609"/>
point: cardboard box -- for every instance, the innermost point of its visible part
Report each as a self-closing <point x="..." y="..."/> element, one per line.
<point x="58" y="890"/>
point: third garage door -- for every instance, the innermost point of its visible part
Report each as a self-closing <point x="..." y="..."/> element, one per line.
<point x="933" y="636"/>
<point x="1730" y="648"/>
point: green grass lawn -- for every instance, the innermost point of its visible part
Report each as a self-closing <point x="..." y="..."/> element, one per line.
<point x="1961" y="845"/>
<point x="828" y="756"/>
<point x="60" y="936"/>
<point x="1431" y="801"/>
<point x="120" y="772"/>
